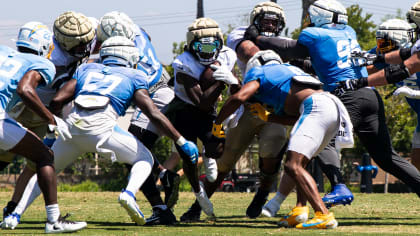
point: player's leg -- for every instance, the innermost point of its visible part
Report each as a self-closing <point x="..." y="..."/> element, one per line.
<point x="415" y="151"/>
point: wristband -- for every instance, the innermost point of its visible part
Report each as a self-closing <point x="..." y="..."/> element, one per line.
<point x="405" y="53"/>
<point x="181" y="141"/>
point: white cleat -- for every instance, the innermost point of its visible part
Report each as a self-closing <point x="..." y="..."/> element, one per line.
<point x="128" y="201"/>
<point x="64" y="226"/>
<point x="204" y="201"/>
<point x="210" y="167"/>
<point x="10" y="221"/>
<point x="272" y="207"/>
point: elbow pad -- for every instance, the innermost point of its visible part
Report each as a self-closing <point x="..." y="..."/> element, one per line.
<point x="405" y="53"/>
<point x="396" y="73"/>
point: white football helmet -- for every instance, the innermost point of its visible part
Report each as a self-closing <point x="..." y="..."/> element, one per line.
<point x="35" y="36"/>
<point x="393" y="34"/>
<point x="268" y="12"/>
<point x="120" y="51"/>
<point x="116" y="23"/>
<point x="413" y="15"/>
<point x="324" y="12"/>
<point x="204" y="40"/>
<point x="261" y="58"/>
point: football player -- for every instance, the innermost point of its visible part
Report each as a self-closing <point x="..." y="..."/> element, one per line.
<point x="192" y="111"/>
<point x="328" y="19"/>
<point x="72" y="41"/>
<point x="20" y="74"/>
<point x="296" y="98"/>
<point x="102" y="93"/>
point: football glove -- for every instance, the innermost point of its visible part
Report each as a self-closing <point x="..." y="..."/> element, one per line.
<point x="363" y="58"/>
<point x="61" y="128"/>
<point x="350" y="85"/>
<point x="259" y="111"/>
<point x="188" y="148"/>
<point x="218" y="131"/>
<point x="407" y="92"/>
<point x="251" y="33"/>
<point x="222" y="73"/>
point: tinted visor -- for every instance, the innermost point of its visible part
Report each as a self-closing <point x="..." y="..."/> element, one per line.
<point x="206" y="47"/>
<point x="385" y="45"/>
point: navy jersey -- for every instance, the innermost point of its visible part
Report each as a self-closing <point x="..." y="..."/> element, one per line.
<point x="13" y="66"/>
<point x="149" y="63"/>
<point x="330" y="50"/>
<point x="275" y="81"/>
<point x="116" y="83"/>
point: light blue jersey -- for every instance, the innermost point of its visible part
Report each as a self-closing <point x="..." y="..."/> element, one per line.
<point x="116" y="83"/>
<point x="275" y="81"/>
<point x="13" y="66"/>
<point x="330" y="49"/>
<point x="149" y="63"/>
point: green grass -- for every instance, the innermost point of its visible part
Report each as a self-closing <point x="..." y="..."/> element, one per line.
<point x="380" y="214"/>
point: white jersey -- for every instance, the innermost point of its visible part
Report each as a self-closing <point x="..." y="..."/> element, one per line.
<point x="186" y="63"/>
<point x="235" y="38"/>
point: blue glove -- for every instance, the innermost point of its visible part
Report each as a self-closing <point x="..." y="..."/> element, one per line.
<point x="49" y="139"/>
<point x="188" y="148"/>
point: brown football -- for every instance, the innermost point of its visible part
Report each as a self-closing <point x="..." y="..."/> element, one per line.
<point x="206" y="78"/>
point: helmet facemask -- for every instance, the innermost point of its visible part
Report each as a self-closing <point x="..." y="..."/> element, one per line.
<point x="269" y="24"/>
<point x="386" y="44"/>
<point x="82" y="50"/>
<point x="206" y="49"/>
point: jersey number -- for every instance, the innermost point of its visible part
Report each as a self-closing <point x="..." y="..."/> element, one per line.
<point x="344" y="49"/>
<point x="94" y="80"/>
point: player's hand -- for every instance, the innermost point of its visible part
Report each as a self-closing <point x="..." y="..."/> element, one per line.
<point x="191" y="150"/>
<point x="49" y="139"/>
<point x="259" y="111"/>
<point x="363" y="58"/>
<point x="251" y="33"/>
<point x="61" y="128"/>
<point x="349" y="85"/>
<point x="405" y="91"/>
<point x="222" y="73"/>
<point x="218" y="131"/>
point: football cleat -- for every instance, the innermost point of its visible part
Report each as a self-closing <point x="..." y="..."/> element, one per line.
<point x="272" y="207"/>
<point x="193" y="214"/>
<point x="170" y="182"/>
<point x="10" y="221"/>
<point x="204" y="201"/>
<point x="62" y="226"/>
<point x="340" y="195"/>
<point x="128" y="201"/>
<point x="161" y="217"/>
<point x="320" y="221"/>
<point x="254" y="209"/>
<point x="296" y="216"/>
<point x="210" y="167"/>
<point x="8" y="210"/>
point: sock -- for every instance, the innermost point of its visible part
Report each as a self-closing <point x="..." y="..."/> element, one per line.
<point x="162" y="173"/>
<point x="139" y="173"/>
<point x="162" y="207"/>
<point x="52" y="213"/>
<point x="32" y="191"/>
<point x="280" y="198"/>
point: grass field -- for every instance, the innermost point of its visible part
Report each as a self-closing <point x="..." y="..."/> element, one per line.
<point x="384" y="214"/>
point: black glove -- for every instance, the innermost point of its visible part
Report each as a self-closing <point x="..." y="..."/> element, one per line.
<point x="350" y="85"/>
<point x="365" y="59"/>
<point x="251" y="33"/>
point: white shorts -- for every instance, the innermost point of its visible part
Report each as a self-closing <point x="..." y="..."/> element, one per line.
<point x="416" y="140"/>
<point x="115" y="143"/>
<point x="11" y="132"/>
<point x="317" y="125"/>
<point x="162" y="97"/>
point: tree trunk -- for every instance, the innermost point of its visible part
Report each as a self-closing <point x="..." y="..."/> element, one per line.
<point x="305" y="7"/>
<point x="200" y="9"/>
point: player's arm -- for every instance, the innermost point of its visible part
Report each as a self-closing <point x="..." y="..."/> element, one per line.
<point x="63" y="96"/>
<point x="286" y="48"/>
<point x="205" y="100"/>
<point x="245" y="50"/>
<point x="26" y="91"/>
<point x="236" y="100"/>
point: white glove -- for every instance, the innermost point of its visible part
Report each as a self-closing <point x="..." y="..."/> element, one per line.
<point x="222" y="73"/>
<point x="61" y="128"/>
<point x="405" y="91"/>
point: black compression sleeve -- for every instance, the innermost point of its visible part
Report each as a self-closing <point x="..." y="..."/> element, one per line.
<point x="286" y="48"/>
<point x="405" y="53"/>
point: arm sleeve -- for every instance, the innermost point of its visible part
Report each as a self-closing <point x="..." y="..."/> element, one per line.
<point x="286" y="48"/>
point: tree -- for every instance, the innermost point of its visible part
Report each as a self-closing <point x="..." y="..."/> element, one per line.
<point x="363" y="25"/>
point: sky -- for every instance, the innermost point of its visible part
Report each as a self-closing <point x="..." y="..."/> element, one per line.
<point x="167" y="20"/>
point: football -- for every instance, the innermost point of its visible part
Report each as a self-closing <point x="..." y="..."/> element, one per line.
<point x="206" y="78"/>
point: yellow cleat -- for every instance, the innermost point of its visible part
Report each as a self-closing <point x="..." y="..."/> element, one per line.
<point x="294" y="217"/>
<point x="320" y="221"/>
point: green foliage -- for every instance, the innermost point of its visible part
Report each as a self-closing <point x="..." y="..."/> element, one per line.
<point x="85" y="186"/>
<point x="178" y="48"/>
<point x="162" y="149"/>
<point x="399" y="15"/>
<point x="363" y="25"/>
